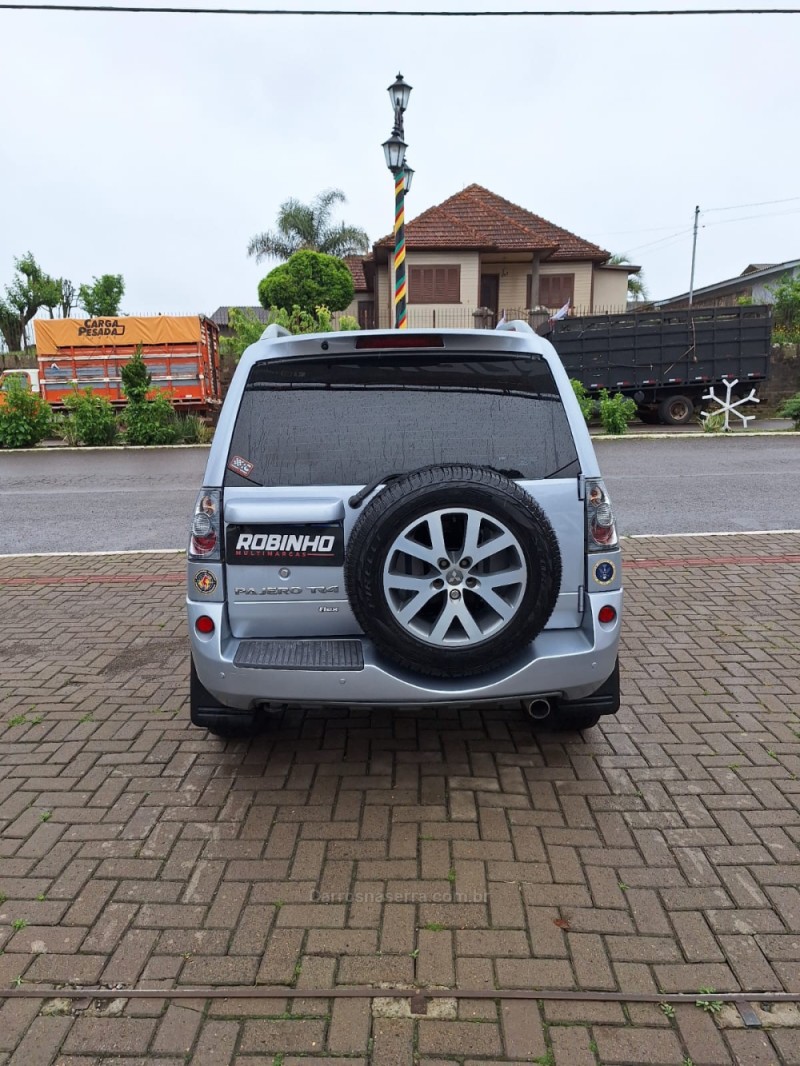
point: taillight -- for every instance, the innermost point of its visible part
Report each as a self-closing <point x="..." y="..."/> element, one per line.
<point x="204" y="542"/>
<point x="601" y="530"/>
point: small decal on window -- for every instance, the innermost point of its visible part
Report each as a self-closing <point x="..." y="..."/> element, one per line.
<point x="205" y="581"/>
<point x="240" y="466"/>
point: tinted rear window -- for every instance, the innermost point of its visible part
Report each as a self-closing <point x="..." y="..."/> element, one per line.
<point x="347" y="421"/>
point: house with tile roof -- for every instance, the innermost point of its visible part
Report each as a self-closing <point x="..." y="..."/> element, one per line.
<point x="476" y="251"/>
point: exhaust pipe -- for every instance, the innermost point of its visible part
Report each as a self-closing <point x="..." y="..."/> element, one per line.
<point x="538" y="709"/>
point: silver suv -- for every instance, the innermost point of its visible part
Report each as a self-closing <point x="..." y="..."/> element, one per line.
<point x="409" y="517"/>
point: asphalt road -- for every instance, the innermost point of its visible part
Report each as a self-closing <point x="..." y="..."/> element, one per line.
<point x="72" y="501"/>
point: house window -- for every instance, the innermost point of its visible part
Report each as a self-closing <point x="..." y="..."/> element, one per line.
<point x="434" y="284"/>
<point x="554" y="290"/>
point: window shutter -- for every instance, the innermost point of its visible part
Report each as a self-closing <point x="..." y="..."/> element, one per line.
<point x="434" y="285"/>
<point x="556" y="289"/>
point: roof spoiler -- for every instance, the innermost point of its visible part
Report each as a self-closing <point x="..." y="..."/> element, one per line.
<point x="516" y="326"/>
<point x="274" y="330"/>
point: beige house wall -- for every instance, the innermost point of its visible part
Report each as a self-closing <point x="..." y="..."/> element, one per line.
<point x="610" y="291"/>
<point x="421" y="314"/>
<point x="514" y="281"/>
<point x="595" y="289"/>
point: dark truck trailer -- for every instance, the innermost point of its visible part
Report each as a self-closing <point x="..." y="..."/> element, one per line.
<point x="666" y="360"/>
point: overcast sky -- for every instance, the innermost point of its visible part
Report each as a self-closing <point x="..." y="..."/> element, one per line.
<point x="155" y="145"/>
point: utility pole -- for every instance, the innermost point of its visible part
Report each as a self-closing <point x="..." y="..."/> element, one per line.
<point x="694" y="253"/>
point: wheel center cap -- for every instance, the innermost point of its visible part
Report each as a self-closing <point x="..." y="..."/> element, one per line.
<point x="454" y="577"/>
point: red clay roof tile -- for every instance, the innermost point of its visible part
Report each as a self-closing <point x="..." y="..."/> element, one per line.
<point x="479" y="218"/>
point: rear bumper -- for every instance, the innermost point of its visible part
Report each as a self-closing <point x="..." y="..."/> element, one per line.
<point x="570" y="663"/>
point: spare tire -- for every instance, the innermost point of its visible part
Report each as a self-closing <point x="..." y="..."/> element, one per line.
<point x="452" y="570"/>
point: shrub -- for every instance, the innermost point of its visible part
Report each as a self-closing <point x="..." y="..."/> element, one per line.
<point x="791" y="409"/>
<point x="63" y="427"/>
<point x="246" y="327"/>
<point x="786" y="335"/>
<point x="151" y="421"/>
<point x="93" y="420"/>
<point x="25" y="418"/>
<point x="585" y="401"/>
<point x="786" y="306"/>
<point x="194" y="430"/>
<point x="616" y="412"/>
<point x="714" y="422"/>
<point x="348" y="322"/>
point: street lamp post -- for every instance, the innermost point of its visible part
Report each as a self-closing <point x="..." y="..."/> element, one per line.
<point x="394" y="150"/>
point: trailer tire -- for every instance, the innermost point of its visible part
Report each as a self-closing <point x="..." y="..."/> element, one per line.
<point x="676" y="410"/>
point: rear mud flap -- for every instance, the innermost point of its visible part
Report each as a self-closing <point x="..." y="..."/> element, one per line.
<point x="604" y="701"/>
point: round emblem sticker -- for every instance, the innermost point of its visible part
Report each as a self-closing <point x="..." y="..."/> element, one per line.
<point x="604" y="572"/>
<point x="204" y="581"/>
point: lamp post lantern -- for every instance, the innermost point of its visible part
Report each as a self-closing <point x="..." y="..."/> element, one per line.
<point x="394" y="150"/>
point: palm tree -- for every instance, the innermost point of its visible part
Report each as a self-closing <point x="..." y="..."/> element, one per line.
<point x="309" y="227"/>
<point x="637" y="289"/>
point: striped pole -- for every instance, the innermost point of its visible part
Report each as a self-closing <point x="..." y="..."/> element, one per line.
<point x="400" y="286"/>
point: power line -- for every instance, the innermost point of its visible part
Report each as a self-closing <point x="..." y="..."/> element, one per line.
<point x="660" y="229"/>
<point x="747" y="218"/>
<point x="340" y="13"/>
<point x="661" y="240"/>
<point x="760" y="203"/>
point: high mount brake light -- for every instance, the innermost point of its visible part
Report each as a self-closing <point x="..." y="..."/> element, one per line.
<point x="399" y="340"/>
<point x="601" y="530"/>
<point x="204" y="540"/>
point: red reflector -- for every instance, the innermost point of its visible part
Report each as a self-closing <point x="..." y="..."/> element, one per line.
<point x="400" y="340"/>
<point x="607" y="614"/>
<point x="204" y="624"/>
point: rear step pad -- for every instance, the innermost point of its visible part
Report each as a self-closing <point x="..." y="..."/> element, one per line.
<point x="300" y="655"/>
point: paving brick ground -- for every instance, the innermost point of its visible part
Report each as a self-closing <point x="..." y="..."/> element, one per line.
<point x="440" y="849"/>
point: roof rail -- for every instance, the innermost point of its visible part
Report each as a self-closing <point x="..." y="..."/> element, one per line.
<point x="516" y="326"/>
<point x="274" y="330"/>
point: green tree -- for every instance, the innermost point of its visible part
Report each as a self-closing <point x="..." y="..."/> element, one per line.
<point x="102" y="298"/>
<point x="308" y="280"/>
<point x="135" y="378"/>
<point x="147" y="421"/>
<point x="30" y="290"/>
<point x="637" y="289"/>
<point x="308" y="227"/>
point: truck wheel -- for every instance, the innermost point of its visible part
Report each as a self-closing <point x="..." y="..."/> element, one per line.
<point x="452" y="570"/>
<point x="648" y="415"/>
<point x="676" y="410"/>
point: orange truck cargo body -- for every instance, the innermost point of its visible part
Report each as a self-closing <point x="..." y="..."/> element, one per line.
<point x="181" y="353"/>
